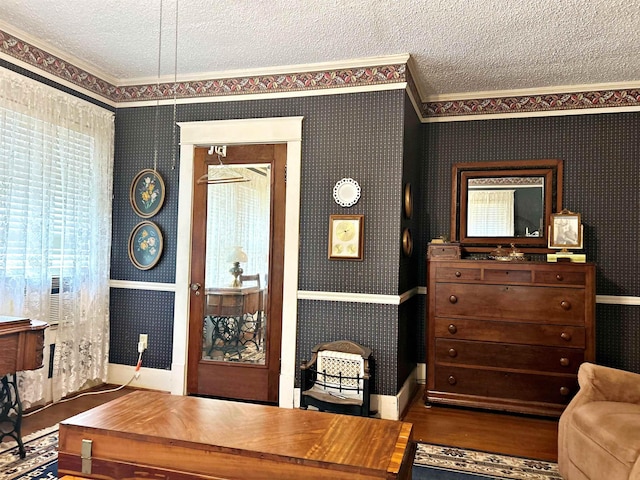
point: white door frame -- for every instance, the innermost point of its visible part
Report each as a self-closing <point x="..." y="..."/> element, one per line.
<point x="233" y="132"/>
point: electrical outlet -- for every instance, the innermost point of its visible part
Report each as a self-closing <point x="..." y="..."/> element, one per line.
<point x="143" y="342"/>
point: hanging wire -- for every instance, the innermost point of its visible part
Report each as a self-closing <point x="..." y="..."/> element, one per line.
<point x="175" y="92"/>
<point x="155" y="148"/>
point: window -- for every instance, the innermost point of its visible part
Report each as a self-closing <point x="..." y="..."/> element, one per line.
<point x="56" y="174"/>
<point x="58" y="183"/>
<point x="490" y="213"/>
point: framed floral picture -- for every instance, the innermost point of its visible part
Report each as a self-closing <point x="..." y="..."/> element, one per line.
<point x="145" y="245"/>
<point x="147" y="193"/>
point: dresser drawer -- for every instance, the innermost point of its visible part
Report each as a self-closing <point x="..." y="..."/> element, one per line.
<point x="571" y="336"/>
<point x="451" y="274"/>
<point x="509" y="302"/>
<point x="529" y="387"/>
<point x="506" y="275"/>
<point x="508" y="355"/>
<point x="560" y="278"/>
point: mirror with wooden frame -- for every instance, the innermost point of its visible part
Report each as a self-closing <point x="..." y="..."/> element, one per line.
<point x="503" y="203"/>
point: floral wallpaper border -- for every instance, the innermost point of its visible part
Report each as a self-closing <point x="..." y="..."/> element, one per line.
<point x="534" y="103"/>
<point x="315" y="80"/>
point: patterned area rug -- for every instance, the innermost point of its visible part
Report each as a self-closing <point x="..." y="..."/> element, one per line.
<point x="432" y="462"/>
<point x="435" y="462"/>
<point x="41" y="461"/>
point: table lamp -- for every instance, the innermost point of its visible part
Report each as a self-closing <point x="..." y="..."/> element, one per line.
<point x="236" y="256"/>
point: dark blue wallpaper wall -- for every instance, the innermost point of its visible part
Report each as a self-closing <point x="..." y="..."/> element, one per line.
<point x="365" y="136"/>
<point x="353" y="135"/>
<point x="600" y="154"/>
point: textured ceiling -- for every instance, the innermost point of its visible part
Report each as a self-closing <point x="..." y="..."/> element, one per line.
<point x="459" y="46"/>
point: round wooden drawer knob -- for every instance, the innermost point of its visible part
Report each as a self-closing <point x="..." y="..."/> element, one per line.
<point x="564" y="391"/>
<point x="453" y="299"/>
<point x="566" y="305"/>
<point x="559" y="277"/>
<point x="565" y="336"/>
<point x="453" y="353"/>
<point x="564" y="361"/>
<point x="458" y="274"/>
<point x="452" y="380"/>
<point x="452" y="328"/>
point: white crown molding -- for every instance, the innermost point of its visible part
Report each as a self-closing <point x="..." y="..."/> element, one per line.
<point x="412" y="70"/>
<point x="56" y="79"/>
<point x="43" y="45"/>
<point x="415" y="88"/>
<point x="362" y="62"/>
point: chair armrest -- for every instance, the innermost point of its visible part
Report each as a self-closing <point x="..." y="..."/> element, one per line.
<point x="599" y="383"/>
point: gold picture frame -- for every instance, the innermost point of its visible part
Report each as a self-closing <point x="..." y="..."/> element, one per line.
<point x="408" y="201"/>
<point x="145" y="245"/>
<point x="565" y="230"/>
<point x="346" y="237"/>
<point x="407" y="242"/>
<point x="146" y="194"/>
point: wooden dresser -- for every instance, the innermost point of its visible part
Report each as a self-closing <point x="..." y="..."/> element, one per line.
<point x="508" y="335"/>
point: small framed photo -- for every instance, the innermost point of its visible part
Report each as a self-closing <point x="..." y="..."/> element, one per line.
<point x="346" y="237"/>
<point x="565" y="230"/>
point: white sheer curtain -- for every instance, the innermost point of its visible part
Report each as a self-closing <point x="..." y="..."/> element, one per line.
<point x="56" y="174"/>
<point x="238" y="215"/>
<point x="490" y="213"/>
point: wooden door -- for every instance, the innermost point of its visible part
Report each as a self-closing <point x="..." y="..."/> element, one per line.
<point x="235" y="319"/>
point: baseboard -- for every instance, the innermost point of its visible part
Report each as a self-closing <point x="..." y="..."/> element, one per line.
<point x="389" y="407"/>
<point x="150" y="378"/>
<point x="421" y="373"/>
<point x="406" y="393"/>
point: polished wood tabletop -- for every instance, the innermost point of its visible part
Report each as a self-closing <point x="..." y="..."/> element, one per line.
<point x="162" y="430"/>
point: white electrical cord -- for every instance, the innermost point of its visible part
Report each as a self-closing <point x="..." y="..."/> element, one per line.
<point x="97" y="392"/>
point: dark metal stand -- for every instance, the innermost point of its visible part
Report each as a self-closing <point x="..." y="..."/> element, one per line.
<point x="11" y="413"/>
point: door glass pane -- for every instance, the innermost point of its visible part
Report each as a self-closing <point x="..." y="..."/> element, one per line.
<point x="237" y="265"/>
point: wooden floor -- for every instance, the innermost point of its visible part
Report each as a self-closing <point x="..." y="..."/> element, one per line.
<point x="510" y="434"/>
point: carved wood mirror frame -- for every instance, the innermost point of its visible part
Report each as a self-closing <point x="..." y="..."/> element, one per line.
<point x="549" y="170"/>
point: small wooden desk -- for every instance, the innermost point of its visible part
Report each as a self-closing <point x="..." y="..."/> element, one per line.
<point x="155" y="435"/>
<point x="232" y="301"/>
<point x="21" y="344"/>
<point x="22" y="347"/>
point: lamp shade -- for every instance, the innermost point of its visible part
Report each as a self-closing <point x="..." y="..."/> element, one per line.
<point x="237" y="255"/>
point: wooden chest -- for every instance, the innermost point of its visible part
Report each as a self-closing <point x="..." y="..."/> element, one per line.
<point x="155" y="435"/>
<point x="443" y="251"/>
<point x="508" y="336"/>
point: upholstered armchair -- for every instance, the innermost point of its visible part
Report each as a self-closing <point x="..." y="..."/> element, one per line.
<point x="599" y="431"/>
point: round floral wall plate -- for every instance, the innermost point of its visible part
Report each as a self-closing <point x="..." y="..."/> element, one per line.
<point x="147" y="193"/>
<point x="346" y="192"/>
<point x="145" y="245"/>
